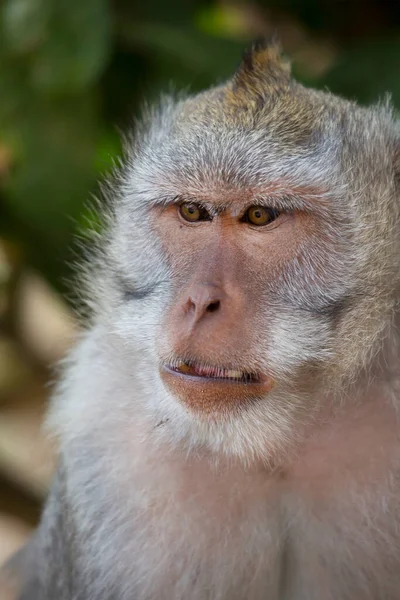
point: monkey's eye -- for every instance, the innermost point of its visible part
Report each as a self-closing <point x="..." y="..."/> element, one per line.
<point x="260" y="215"/>
<point x="193" y="212"/>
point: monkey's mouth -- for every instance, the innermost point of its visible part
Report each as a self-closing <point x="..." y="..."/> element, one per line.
<point x="211" y="372"/>
<point x="210" y="389"/>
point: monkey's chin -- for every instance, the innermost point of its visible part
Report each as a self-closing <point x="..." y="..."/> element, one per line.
<point x="213" y="395"/>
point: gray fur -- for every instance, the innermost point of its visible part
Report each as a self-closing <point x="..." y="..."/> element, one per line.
<point x="151" y="502"/>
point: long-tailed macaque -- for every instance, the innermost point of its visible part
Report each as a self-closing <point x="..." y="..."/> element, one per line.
<point x="228" y="424"/>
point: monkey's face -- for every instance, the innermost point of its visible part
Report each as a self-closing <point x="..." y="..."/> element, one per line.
<point x="251" y="262"/>
<point x="219" y="331"/>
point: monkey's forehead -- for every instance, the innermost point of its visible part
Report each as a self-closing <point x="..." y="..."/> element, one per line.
<point x="263" y="125"/>
<point x="304" y="136"/>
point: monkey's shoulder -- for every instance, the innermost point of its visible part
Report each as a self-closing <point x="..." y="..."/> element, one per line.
<point x="40" y="570"/>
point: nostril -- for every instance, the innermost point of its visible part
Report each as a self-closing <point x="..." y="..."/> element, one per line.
<point x="202" y="300"/>
<point x="213" y="306"/>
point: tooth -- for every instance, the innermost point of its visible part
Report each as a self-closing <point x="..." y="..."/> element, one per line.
<point x="234" y="374"/>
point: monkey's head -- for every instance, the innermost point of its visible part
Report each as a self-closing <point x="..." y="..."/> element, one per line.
<point x="251" y="269"/>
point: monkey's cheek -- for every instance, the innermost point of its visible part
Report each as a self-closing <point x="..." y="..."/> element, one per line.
<point x="208" y="396"/>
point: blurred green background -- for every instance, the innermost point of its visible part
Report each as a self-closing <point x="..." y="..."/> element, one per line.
<point x="73" y="73"/>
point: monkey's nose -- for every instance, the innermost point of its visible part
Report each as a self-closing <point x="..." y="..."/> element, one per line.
<point x="203" y="299"/>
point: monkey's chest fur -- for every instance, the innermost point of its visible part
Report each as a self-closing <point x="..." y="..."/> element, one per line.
<point x="181" y="528"/>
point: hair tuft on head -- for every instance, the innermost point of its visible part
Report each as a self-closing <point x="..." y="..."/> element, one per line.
<point x="263" y="71"/>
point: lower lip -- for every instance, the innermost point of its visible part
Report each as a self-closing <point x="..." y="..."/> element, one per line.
<point x="213" y="396"/>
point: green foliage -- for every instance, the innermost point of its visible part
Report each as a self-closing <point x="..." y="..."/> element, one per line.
<point x="368" y="70"/>
<point x="73" y="71"/>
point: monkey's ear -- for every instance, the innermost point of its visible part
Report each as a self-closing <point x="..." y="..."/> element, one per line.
<point x="263" y="70"/>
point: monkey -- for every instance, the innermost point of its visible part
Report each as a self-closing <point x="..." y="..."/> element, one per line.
<point x="228" y="422"/>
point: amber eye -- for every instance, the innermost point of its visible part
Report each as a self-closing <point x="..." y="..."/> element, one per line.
<point x="260" y="215"/>
<point x="193" y="212"/>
